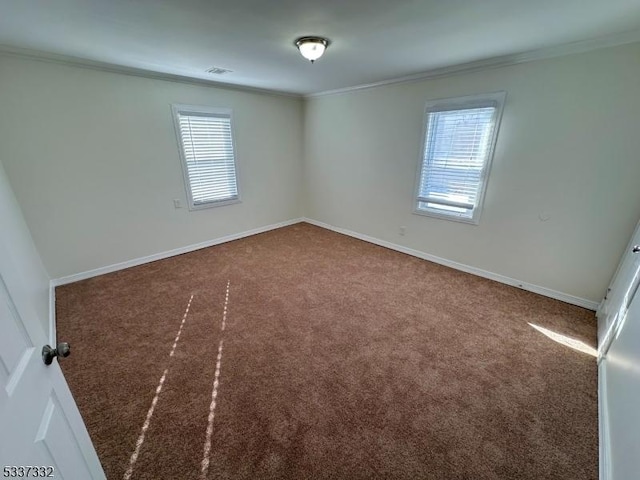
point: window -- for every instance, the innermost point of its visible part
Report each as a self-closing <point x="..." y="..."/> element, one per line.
<point x="207" y="153"/>
<point x="459" y="140"/>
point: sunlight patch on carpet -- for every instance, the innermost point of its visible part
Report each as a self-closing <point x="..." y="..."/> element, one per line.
<point x="147" y="420"/>
<point x="573" y="343"/>
<point x="206" y="458"/>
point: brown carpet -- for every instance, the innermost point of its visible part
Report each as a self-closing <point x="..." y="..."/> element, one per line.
<point x="340" y="360"/>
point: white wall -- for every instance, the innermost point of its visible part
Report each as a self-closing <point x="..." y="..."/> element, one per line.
<point x="568" y="148"/>
<point x="93" y="160"/>
<point x="20" y="264"/>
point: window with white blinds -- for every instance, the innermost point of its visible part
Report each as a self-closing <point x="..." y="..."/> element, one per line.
<point x="208" y="157"/>
<point x="460" y="135"/>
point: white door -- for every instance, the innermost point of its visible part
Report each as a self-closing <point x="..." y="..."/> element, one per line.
<point x="40" y="425"/>
<point x="622" y="384"/>
<point x="619" y="294"/>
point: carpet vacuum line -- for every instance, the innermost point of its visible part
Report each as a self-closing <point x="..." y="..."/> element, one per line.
<point x="206" y="457"/>
<point x="147" y="421"/>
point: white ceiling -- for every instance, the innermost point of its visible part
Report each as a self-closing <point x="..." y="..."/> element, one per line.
<point x="372" y="40"/>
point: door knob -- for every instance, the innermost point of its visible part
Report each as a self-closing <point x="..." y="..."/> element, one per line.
<point x="62" y="350"/>
<point x="636" y="249"/>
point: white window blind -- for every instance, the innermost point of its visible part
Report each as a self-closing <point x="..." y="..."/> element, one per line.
<point x="458" y="146"/>
<point x="207" y="150"/>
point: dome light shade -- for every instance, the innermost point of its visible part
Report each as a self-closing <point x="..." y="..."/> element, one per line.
<point x="312" y="48"/>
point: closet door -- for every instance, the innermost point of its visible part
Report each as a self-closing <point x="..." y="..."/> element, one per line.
<point x="622" y="387"/>
<point x="619" y="294"/>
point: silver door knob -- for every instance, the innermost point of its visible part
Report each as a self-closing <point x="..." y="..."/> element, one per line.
<point x="636" y="249"/>
<point x="48" y="354"/>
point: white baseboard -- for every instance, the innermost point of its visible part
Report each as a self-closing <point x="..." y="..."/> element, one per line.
<point x="603" y="422"/>
<point x="547" y="292"/>
<point x="581" y="302"/>
<point x="169" y="253"/>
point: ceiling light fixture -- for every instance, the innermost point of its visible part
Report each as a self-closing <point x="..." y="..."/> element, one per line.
<point x="312" y="48"/>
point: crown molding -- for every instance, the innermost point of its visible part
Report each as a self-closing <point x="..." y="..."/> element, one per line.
<point x="485" y="64"/>
<point x="9" y="51"/>
<point x="497" y="62"/>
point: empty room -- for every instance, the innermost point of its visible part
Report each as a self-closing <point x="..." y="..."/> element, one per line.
<point x="320" y="240"/>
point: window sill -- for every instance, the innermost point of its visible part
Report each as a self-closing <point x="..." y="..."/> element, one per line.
<point x="221" y="203"/>
<point x="444" y="216"/>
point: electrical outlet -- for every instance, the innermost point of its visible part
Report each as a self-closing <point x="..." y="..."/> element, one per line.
<point x="403" y="230"/>
<point x="177" y="203"/>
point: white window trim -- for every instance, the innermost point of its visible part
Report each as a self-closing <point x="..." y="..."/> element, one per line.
<point x="177" y="109"/>
<point x="496" y="99"/>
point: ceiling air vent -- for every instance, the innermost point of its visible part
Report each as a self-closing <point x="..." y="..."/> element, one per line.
<point x="218" y="70"/>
